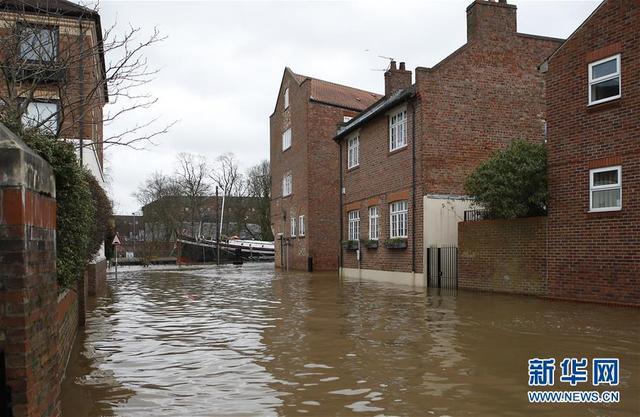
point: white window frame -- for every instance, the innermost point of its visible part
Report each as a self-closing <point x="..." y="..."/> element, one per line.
<point x="29" y="119"/>
<point x="286" y="98"/>
<point x="301" y="226"/>
<point x="353" y="152"/>
<point x="286" y="139"/>
<point x="399" y="215"/>
<point x="287" y="185"/>
<point x="593" y="81"/>
<point x="397" y="129"/>
<point x="593" y="188"/>
<point x="354" y="225"/>
<point x="374" y="223"/>
<point x="293" y="226"/>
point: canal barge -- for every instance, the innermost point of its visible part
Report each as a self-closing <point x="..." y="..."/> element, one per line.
<point x="201" y="250"/>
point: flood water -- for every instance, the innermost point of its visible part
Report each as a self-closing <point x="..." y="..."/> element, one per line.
<point x="249" y="341"/>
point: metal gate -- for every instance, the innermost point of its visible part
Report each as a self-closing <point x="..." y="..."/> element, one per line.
<point x="442" y="267"/>
<point x="5" y="391"/>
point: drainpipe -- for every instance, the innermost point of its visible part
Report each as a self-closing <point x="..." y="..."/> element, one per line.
<point x="413" y="186"/>
<point x="340" y="257"/>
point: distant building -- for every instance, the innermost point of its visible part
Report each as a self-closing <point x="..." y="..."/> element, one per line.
<point x="404" y="159"/>
<point x="304" y="168"/>
<point x="593" y="107"/>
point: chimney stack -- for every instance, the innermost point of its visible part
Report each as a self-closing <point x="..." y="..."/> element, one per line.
<point x="490" y="19"/>
<point x="396" y="79"/>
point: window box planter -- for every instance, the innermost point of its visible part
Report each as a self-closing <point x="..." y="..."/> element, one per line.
<point x="396" y="243"/>
<point x="350" y="244"/>
<point x="370" y="244"/>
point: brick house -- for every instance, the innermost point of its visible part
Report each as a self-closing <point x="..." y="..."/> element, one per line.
<point x="404" y="160"/>
<point x="304" y="168"/>
<point x="63" y="73"/>
<point x="593" y="107"/>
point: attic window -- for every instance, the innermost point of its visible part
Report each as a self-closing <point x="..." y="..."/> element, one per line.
<point x="286" y="98"/>
<point x="604" y="80"/>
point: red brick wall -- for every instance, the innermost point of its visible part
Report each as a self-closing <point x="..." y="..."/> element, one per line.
<point x="28" y="293"/>
<point x="67" y="321"/>
<point x="595" y="256"/>
<point x="97" y="278"/>
<point x="313" y="161"/>
<point x="294" y="160"/>
<point x="381" y="178"/>
<point x="503" y="255"/>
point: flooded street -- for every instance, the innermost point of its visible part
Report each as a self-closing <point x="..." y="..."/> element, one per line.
<point x="248" y="341"/>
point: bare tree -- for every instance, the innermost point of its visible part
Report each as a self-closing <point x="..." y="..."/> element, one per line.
<point x="226" y="175"/>
<point x="59" y="69"/>
<point x="258" y="187"/>
<point x="191" y="178"/>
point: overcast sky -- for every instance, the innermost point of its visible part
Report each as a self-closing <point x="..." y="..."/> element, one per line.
<point x="222" y="63"/>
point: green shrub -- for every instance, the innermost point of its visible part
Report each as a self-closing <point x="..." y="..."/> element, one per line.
<point x="102" y="227"/>
<point x="76" y="213"/>
<point x="512" y="183"/>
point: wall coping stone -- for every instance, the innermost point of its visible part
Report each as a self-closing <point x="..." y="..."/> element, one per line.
<point x="22" y="166"/>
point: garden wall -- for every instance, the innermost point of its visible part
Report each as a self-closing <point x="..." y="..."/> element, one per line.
<point x="503" y="255"/>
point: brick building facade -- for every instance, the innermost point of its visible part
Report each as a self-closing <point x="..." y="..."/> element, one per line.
<point x="416" y="146"/>
<point x="593" y="97"/>
<point x="304" y="168"/>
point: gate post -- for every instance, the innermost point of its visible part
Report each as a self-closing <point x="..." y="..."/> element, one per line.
<point x="28" y="286"/>
<point x="439" y="268"/>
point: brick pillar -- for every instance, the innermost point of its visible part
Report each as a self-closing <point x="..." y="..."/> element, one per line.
<point x="28" y="287"/>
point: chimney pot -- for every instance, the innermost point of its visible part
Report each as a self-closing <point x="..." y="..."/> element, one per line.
<point x="402" y="66"/>
<point x="393" y="64"/>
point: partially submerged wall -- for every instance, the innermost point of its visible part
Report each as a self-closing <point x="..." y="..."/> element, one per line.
<point x="503" y="255"/>
<point x="28" y="287"/>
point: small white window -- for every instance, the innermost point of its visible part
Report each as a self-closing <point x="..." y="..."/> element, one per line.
<point x="43" y="114"/>
<point x="374" y="223"/>
<point x="398" y="130"/>
<point x="353" y="154"/>
<point x="286" y="139"/>
<point x="604" y="80"/>
<point x="354" y="225"/>
<point x="398" y="220"/>
<point x="301" y="226"/>
<point x="286" y="98"/>
<point x="346" y="119"/>
<point x="293" y="226"/>
<point x="605" y="189"/>
<point x="287" y="184"/>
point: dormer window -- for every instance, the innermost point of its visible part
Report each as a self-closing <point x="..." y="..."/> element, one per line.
<point x="604" y="80"/>
<point x="286" y="99"/>
<point x="38" y="43"/>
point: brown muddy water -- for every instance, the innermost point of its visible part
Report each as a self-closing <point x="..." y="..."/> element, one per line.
<point x="248" y="341"/>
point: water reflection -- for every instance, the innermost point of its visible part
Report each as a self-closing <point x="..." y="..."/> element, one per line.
<point x="252" y="342"/>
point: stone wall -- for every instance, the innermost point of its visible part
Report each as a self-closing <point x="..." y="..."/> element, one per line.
<point x="503" y="255"/>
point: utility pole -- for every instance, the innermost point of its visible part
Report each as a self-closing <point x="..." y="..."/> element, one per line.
<point x="217" y="227"/>
<point x="135" y="237"/>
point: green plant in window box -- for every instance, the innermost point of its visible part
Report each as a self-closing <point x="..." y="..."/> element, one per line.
<point x="396" y="243"/>
<point x="370" y="243"/>
<point x="350" y="244"/>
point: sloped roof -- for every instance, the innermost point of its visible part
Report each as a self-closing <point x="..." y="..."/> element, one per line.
<point x="61" y="7"/>
<point x="337" y="94"/>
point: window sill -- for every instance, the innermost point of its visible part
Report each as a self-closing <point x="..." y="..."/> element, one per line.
<point x="286" y="149"/>
<point x="604" y="105"/>
<point x="395" y="151"/>
<point x="605" y="213"/>
<point x="353" y="168"/>
<point x="287" y="196"/>
<point x="301" y="237"/>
